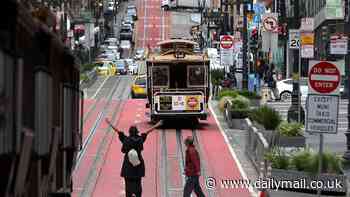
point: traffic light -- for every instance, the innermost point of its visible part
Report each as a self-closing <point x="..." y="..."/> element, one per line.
<point x="253" y="41"/>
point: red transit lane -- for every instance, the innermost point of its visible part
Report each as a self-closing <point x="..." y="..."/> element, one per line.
<point x="152" y="23"/>
<point x="211" y="142"/>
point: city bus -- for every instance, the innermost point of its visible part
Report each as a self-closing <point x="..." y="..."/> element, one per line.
<point x="177" y="81"/>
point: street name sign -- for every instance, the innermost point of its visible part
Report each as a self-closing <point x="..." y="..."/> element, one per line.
<point x="324" y="78"/>
<point x="322" y="114"/>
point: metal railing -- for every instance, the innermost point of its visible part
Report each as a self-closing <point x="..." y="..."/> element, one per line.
<point x="256" y="148"/>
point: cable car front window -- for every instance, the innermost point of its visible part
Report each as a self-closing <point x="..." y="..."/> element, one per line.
<point x="160" y="76"/>
<point x="196" y="76"/>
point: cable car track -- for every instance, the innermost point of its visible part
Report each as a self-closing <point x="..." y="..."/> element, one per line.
<point x="96" y="124"/>
<point x="102" y="152"/>
<point x="165" y="156"/>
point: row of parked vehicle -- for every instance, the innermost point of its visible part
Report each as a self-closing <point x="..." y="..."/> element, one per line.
<point x="128" y="24"/>
<point x="110" y="62"/>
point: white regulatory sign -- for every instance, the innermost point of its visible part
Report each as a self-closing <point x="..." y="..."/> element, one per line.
<point x="322" y="114"/>
<point x="294" y="39"/>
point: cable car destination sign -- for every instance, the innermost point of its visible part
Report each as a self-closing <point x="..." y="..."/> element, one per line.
<point x="323" y="99"/>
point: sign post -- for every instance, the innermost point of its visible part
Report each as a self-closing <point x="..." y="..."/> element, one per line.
<point x="226" y="51"/>
<point x="323" y="102"/>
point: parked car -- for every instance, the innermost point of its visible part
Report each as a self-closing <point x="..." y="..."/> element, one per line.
<point x="125" y="33"/>
<point x="128" y="20"/>
<point x="139" y="54"/>
<point x="132" y="66"/>
<point x="138" y="89"/>
<point x="122" y="68"/>
<point x="285" y="88"/>
<point x="125" y="44"/>
<point x="132" y="11"/>
<point x="105" y="68"/>
<point x="167" y="4"/>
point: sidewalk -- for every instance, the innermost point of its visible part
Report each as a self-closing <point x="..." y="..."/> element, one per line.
<point x="237" y="139"/>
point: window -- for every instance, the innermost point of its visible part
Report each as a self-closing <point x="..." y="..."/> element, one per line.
<point x="196" y="76"/>
<point x="2" y="75"/>
<point x="160" y="76"/>
<point x="140" y="82"/>
<point x="7" y="100"/>
<point x="43" y="112"/>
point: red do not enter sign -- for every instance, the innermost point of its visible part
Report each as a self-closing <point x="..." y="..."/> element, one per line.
<point x="226" y="42"/>
<point x="324" y="77"/>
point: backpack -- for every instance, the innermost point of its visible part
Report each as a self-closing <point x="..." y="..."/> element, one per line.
<point x="133" y="157"/>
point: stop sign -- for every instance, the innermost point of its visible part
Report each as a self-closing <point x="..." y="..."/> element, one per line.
<point x="324" y="78"/>
<point x="226" y="42"/>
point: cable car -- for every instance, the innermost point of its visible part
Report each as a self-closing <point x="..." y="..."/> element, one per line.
<point x="177" y="81"/>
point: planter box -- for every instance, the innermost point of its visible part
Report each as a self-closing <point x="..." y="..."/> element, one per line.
<point x="283" y="141"/>
<point x="235" y="119"/>
<point x="306" y="179"/>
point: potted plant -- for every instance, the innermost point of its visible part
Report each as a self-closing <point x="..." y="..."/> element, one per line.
<point x="236" y="111"/>
<point x="252" y="96"/>
<point x="267" y="120"/>
<point x="303" y="165"/>
<point x="290" y="135"/>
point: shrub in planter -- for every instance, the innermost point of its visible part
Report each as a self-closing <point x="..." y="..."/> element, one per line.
<point x="292" y="129"/>
<point x="228" y="93"/>
<point x="301" y="160"/>
<point x="240" y="107"/>
<point x="278" y="159"/>
<point x="331" y="163"/>
<point x="267" y="117"/>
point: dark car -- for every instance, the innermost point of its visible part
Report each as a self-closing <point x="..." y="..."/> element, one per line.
<point x="125" y="33"/>
<point x="121" y="67"/>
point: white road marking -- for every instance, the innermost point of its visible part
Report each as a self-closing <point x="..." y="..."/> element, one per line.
<point x="99" y="88"/>
<point x="239" y="165"/>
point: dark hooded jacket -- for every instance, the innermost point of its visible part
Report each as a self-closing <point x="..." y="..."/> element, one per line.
<point x="132" y="142"/>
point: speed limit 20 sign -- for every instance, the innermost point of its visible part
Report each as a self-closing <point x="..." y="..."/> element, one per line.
<point x="294" y="39"/>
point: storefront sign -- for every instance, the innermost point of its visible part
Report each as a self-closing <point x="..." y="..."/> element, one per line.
<point x="339" y="45"/>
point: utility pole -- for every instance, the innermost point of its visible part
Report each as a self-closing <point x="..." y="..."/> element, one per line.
<point x="245" y="46"/>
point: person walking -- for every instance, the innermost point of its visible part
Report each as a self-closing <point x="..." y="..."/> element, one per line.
<point x="192" y="170"/>
<point x="272" y="82"/>
<point x="133" y="168"/>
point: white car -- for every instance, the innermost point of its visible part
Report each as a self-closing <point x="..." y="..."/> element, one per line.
<point x="140" y="54"/>
<point x="167" y="4"/>
<point x="133" y="67"/>
<point x="125" y="44"/>
<point x="285" y="88"/>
